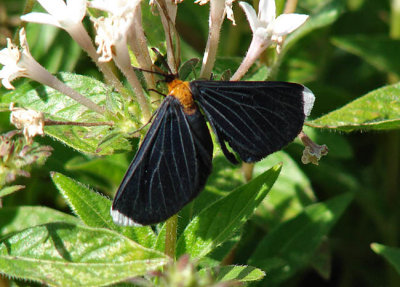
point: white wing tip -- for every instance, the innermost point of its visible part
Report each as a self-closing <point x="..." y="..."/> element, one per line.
<point x="121" y="219"/>
<point x="309" y="99"/>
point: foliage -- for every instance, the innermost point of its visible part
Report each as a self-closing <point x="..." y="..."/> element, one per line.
<point x="290" y="225"/>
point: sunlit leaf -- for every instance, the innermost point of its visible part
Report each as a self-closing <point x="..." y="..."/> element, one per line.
<point x="61" y="254"/>
<point x="17" y="218"/>
<point x="7" y="190"/>
<point x="234" y="272"/>
<point x="223" y="218"/>
<point x="58" y="107"/>
<point x="94" y="209"/>
<point x="377" y="110"/>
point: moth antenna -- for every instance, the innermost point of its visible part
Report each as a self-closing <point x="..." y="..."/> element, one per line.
<point x="150" y="71"/>
<point x="161" y="94"/>
<point x="155" y="101"/>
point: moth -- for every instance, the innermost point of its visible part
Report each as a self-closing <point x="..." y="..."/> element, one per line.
<point x="174" y="160"/>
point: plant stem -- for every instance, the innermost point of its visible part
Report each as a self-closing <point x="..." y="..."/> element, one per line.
<point x="123" y="62"/>
<point x="247" y="169"/>
<point x="167" y="10"/>
<point x="60" y="123"/>
<point x="41" y="75"/>
<point x="80" y="35"/>
<point x="170" y="236"/>
<point x="290" y="6"/>
<point x="138" y="42"/>
<point x="217" y="15"/>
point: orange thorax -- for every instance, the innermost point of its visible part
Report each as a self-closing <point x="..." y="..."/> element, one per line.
<point x="181" y="91"/>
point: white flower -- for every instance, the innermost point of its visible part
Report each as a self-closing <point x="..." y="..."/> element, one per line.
<point x="266" y="26"/>
<point x="68" y="16"/>
<point x="112" y="31"/>
<point x="9" y="57"/>
<point x="63" y="15"/>
<point x="16" y="63"/>
<point x="111" y="36"/>
<point x="20" y="63"/>
<point x="266" y="30"/>
<point x="32" y="122"/>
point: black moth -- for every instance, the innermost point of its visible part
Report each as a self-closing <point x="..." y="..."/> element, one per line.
<point x="174" y="161"/>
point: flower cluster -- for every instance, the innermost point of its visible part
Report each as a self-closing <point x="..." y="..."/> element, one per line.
<point x="122" y="29"/>
<point x="120" y="35"/>
<point x="267" y="29"/>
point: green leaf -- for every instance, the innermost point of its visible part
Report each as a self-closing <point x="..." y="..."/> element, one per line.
<point x="115" y="165"/>
<point x="221" y="252"/>
<point x="289" y="246"/>
<point x="94" y="209"/>
<point x="224" y="178"/>
<point x="10" y="190"/>
<point x="377" y="110"/>
<point x="61" y="254"/>
<point x="234" y="272"/>
<point x="381" y="52"/>
<point x="17" y="218"/>
<point x="59" y="107"/>
<point x="159" y="244"/>
<point x="290" y="194"/>
<point x="391" y="254"/>
<point x="223" y="218"/>
<point x="188" y="68"/>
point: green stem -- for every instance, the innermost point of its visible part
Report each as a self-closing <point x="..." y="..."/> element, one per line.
<point x="170" y="236"/>
<point x="247" y="169"/>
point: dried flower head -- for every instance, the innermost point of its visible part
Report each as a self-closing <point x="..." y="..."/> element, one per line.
<point x="30" y="121"/>
<point x="312" y="152"/>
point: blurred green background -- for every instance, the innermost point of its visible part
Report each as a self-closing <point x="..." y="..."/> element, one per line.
<point x="356" y="51"/>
